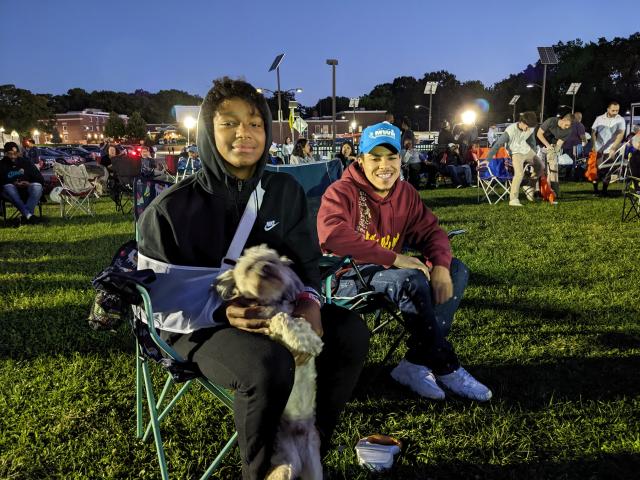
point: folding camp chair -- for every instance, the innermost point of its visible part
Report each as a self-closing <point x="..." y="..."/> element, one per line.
<point x="631" y="199"/>
<point x="124" y="170"/>
<point x="366" y="301"/>
<point x="5" y="204"/>
<point x="315" y="178"/>
<point x="78" y="188"/>
<point x="616" y="168"/>
<point x="135" y="289"/>
<point x="494" y="179"/>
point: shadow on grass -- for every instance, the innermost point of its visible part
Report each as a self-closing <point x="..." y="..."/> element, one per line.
<point x="449" y="201"/>
<point x="605" y="467"/>
<point x="58" y="330"/>
<point x="532" y="387"/>
<point x="534" y="310"/>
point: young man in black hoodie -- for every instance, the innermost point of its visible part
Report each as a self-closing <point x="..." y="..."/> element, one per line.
<point x="192" y="225"/>
<point x="21" y="182"/>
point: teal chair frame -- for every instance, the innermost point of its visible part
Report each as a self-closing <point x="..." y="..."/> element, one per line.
<point x="365" y="301"/>
<point x="157" y="412"/>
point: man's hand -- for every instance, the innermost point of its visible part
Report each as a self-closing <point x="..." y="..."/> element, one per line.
<point x="249" y="318"/>
<point x="310" y="311"/>
<point x="405" y="261"/>
<point x="22" y="183"/>
<point x="441" y="284"/>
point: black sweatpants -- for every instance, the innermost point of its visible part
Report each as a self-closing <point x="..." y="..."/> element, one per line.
<point x="261" y="372"/>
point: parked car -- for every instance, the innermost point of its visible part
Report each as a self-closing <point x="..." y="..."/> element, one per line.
<point x="92" y="148"/>
<point x="86" y="155"/>
<point x="47" y="156"/>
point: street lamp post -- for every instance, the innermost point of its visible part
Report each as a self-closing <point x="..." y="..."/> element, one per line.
<point x="430" y="89"/>
<point x="513" y="102"/>
<point x="532" y="85"/>
<point x="333" y="62"/>
<point x="428" y="108"/>
<point x="189" y="123"/>
<point x="573" y="89"/>
<point x="547" y="57"/>
<point x="278" y="93"/>
<point x="276" y="66"/>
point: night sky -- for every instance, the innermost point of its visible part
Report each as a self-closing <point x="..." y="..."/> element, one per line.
<point x="51" y="46"/>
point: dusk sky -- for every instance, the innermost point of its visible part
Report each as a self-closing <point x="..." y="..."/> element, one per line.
<point x="52" y="46"/>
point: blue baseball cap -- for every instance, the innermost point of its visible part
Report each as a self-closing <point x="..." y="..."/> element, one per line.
<point x="380" y="134"/>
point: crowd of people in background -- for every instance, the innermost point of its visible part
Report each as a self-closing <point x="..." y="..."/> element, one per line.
<point x="534" y="150"/>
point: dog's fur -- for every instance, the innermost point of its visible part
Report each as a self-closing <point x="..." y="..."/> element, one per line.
<point x="263" y="277"/>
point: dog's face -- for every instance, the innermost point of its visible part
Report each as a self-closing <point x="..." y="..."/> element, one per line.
<point x="260" y="274"/>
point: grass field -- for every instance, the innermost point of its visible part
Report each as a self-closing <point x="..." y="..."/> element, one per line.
<point x="550" y="321"/>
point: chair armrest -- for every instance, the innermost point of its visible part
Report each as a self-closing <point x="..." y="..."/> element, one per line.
<point x="330" y="264"/>
<point x="124" y="284"/>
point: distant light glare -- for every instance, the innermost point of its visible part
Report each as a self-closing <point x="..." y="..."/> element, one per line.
<point x="189" y="122"/>
<point x="468" y="117"/>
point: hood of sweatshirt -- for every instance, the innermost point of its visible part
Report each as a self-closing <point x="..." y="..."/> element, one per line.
<point x="215" y="169"/>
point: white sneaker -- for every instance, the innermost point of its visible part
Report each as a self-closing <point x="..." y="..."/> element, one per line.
<point x="463" y="384"/>
<point x="530" y="193"/>
<point x="515" y="203"/>
<point x="418" y="378"/>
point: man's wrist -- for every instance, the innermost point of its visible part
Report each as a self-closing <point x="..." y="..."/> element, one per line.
<point x="307" y="296"/>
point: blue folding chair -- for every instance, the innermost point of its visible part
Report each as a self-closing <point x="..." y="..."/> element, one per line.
<point x="494" y="180"/>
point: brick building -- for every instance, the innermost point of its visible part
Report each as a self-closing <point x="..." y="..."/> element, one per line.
<point x="86" y="126"/>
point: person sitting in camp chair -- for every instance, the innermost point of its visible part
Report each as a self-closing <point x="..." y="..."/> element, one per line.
<point x="21" y="182"/>
<point x="193" y="224"/>
<point x="370" y="215"/>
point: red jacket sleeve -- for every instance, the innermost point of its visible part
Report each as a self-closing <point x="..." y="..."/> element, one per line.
<point x="337" y="229"/>
<point x="425" y="234"/>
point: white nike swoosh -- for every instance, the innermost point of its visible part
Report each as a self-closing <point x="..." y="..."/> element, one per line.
<point x="269" y="226"/>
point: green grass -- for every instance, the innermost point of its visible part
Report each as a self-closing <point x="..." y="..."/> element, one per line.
<point x="550" y="321"/>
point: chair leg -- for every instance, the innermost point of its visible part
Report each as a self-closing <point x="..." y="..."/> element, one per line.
<point x="155" y="424"/>
<point x="138" y="392"/>
<point x="185" y="388"/>
<point x="221" y="456"/>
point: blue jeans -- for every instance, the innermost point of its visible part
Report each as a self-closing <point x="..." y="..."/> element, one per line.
<point x="460" y="174"/>
<point x="427" y="324"/>
<point x="16" y="195"/>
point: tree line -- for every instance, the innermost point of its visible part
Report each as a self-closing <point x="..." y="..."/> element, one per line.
<point x="607" y="69"/>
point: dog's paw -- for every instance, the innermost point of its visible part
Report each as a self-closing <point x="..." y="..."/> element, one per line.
<point x="280" y="472"/>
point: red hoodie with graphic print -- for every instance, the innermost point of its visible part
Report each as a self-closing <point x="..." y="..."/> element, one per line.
<point x="354" y="220"/>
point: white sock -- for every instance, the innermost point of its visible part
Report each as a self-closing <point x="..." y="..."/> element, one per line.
<point x="29" y="215"/>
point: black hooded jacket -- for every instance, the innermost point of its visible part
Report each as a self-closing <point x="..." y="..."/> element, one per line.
<point x="193" y="222"/>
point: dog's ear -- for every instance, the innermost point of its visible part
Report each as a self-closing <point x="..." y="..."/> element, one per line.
<point x="226" y="286"/>
<point x="286" y="261"/>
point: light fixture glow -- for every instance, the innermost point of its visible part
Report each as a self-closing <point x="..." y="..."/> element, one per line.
<point x="468" y="117"/>
<point x="189" y="122"/>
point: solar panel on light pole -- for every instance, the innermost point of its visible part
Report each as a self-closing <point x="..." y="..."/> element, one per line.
<point x="429" y="89"/>
<point x="547" y="57"/>
<point x="513" y="102"/>
<point x="572" y="90"/>
<point x="276" y="66"/>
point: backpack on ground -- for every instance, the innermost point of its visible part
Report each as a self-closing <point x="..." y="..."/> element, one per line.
<point x="108" y="310"/>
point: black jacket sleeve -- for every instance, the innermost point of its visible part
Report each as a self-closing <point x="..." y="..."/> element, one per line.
<point x="156" y="238"/>
<point x="33" y="174"/>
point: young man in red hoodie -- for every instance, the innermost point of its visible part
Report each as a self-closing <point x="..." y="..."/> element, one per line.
<point x="371" y="214"/>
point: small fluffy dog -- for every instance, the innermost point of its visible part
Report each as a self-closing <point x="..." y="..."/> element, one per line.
<point x="265" y="278"/>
